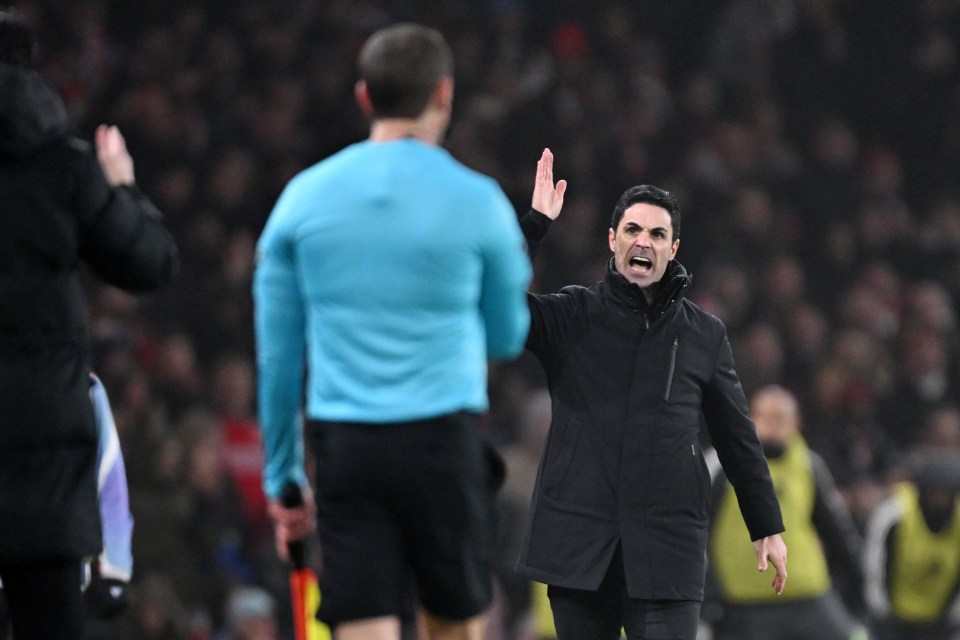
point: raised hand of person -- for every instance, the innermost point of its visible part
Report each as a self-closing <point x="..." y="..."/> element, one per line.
<point x="113" y="156"/>
<point x="547" y="196"/>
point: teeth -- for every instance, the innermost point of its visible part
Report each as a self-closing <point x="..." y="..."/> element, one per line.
<point x="640" y="261"/>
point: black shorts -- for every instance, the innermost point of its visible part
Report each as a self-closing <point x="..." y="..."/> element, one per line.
<point x="405" y="509"/>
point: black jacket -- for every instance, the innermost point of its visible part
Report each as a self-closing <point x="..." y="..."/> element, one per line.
<point x="623" y="464"/>
<point x="56" y="210"/>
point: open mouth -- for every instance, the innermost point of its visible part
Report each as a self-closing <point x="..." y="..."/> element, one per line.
<point x="641" y="263"/>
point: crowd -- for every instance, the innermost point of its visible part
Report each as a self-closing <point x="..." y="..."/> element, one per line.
<point x="814" y="146"/>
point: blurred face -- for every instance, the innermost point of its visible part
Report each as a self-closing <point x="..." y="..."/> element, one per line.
<point x="776" y="417"/>
<point x="642" y="244"/>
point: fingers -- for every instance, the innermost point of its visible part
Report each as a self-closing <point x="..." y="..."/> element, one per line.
<point x="561" y="189"/>
<point x="761" y="548"/>
<point x="773" y="549"/>
<point x="780" y="581"/>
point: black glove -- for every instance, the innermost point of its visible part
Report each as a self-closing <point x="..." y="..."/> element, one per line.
<point x="105" y="597"/>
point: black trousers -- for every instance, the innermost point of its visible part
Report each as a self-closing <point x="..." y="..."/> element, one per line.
<point x="600" y="614"/>
<point x="43" y="600"/>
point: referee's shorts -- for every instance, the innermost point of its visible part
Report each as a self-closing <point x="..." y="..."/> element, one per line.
<point x="404" y="509"/>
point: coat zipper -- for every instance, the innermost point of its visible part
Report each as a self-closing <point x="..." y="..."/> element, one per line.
<point x="673" y="367"/>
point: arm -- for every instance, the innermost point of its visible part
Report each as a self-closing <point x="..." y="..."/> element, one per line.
<point x="106" y="594"/>
<point x="279" y="328"/>
<point x="834" y="524"/>
<point x="880" y="534"/>
<point x="122" y="235"/>
<point x="506" y="274"/>
<point x="735" y="439"/>
<point x="116" y="560"/>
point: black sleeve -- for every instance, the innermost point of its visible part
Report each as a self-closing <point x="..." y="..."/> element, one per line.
<point x="122" y="236"/>
<point x="735" y="438"/>
<point x="835" y="526"/>
<point x="534" y="226"/>
<point x="128" y="245"/>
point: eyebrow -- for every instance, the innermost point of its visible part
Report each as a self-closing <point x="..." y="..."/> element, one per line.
<point x="631" y="223"/>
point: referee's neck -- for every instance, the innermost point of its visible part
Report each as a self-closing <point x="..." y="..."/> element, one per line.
<point x="388" y="129"/>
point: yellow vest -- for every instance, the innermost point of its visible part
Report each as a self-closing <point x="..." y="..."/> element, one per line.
<point x="732" y="554"/>
<point x="542" y="614"/>
<point x="926" y="565"/>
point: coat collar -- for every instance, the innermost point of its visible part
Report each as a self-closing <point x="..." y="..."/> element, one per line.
<point x="671" y="288"/>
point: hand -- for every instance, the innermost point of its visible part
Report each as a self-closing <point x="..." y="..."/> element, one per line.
<point x="105" y="597"/>
<point x="547" y="198"/>
<point x="292" y="524"/>
<point x="774" y="549"/>
<point x="112" y="154"/>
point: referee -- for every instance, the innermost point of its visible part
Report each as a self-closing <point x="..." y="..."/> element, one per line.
<point x="394" y="273"/>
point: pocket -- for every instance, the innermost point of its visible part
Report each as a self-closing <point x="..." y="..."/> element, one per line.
<point x="672" y="369"/>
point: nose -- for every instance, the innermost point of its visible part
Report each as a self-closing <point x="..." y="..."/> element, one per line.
<point x="642" y="240"/>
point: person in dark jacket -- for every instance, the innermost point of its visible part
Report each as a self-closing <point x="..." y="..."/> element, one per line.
<point x="619" y="516"/>
<point x="61" y="204"/>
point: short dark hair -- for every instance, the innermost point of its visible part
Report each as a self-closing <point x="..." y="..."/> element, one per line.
<point x="648" y="194"/>
<point x="401" y="65"/>
<point x="18" y="46"/>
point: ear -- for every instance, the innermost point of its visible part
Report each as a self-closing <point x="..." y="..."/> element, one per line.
<point x="443" y="94"/>
<point x="673" y="250"/>
<point x="362" y="96"/>
<point x="611" y="239"/>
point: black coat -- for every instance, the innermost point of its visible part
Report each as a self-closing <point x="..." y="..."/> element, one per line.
<point x="623" y="464"/>
<point x="56" y="210"/>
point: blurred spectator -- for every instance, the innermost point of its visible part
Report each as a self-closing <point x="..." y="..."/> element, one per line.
<point x="913" y="552"/>
<point x="823" y="541"/>
<point x="250" y="615"/>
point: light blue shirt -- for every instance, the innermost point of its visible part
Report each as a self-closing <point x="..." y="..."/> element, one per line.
<point x="395" y="272"/>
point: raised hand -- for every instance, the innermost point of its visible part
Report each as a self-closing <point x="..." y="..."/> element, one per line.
<point x="547" y="197"/>
<point x="112" y="154"/>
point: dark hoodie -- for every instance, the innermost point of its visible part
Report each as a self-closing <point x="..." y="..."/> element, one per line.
<point x="56" y="210"/>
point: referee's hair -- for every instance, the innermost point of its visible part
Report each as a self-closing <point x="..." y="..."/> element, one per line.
<point x="401" y="65"/>
<point x="18" y="46"/>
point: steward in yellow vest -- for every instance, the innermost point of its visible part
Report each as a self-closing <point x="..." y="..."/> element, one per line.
<point x="913" y="552"/>
<point x="815" y="517"/>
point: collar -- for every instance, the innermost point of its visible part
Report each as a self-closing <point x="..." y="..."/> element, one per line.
<point x="671" y="288"/>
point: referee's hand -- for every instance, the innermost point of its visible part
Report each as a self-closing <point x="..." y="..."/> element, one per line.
<point x="292" y="524"/>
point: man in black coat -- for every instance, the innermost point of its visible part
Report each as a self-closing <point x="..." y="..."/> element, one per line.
<point x="618" y="522"/>
<point x="60" y="204"/>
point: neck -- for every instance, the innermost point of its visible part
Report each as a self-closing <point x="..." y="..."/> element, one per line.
<point x="388" y="129"/>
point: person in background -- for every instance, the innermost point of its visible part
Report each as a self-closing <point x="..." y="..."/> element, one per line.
<point x="618" y="521"/>
<point x="250" y="615"/>
<point x="64" y="204"/>
<point x="394" y="273"/>
<point x="107" y="576"/>
<point x="912" y="565"/>
<point x="820" y="532"/>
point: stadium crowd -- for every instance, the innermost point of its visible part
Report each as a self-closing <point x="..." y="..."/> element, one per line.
<point x="814" y="146"/>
